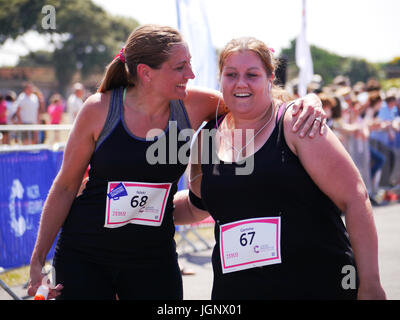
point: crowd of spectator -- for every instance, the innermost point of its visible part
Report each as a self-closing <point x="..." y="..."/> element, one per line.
<point x="31" y="107"/>
<point x="366" y="119"/>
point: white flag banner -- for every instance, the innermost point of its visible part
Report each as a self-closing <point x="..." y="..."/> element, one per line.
<point x="193" y="25"/>
<point x="303" y="57"/>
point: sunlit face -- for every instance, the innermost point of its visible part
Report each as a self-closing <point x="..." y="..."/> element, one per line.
<point x="28" y="89"/>
<point x="245" y="84"/>
<point x="172" y="78"/>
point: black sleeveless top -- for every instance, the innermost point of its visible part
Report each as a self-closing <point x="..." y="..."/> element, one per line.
<point x="121" y="156"/>
<point x="314" y="242"/>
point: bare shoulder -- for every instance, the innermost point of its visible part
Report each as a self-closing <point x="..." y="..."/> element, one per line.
<point x="98" y="102"/>
<point x="201" y="104"/>
<point x="294" y="140"/>
<point x="317" y="145"/>
<point x="94" y="113"/>
<point x="290" y="136"/>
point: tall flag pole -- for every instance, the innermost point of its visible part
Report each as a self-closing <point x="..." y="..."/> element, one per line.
<point x="193" y="25"/>
<point x="303" y="57"/>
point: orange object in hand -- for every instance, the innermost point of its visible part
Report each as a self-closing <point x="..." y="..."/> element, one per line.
<point x="41" y="293"/>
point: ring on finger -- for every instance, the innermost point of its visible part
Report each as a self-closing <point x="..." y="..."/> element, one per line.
<point x="318" y="119"/>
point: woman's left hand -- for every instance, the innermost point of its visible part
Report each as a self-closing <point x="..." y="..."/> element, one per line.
<point x="374" y="292"/>
<point x="311" y="117"/>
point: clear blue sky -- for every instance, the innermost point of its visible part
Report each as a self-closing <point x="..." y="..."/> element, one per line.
<point x="360" y="28"/>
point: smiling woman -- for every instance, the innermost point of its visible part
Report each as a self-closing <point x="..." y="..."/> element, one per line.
<point x="144" y="88"/>
<point x="279" y="232"/>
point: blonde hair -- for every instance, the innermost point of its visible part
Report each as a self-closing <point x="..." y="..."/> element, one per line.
<point x="264" y="53"/>
<point x="148" y="44"/>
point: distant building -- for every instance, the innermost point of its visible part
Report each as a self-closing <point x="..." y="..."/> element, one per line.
<point x="392" y="72"/>
<point x="12" y="78"/>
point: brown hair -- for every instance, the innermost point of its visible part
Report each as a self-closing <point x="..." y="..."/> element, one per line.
<point x="148" y="44"/>
<point x="374" y="97"/>
<point x="327" y="100"/>
<point x="265" y="54"/>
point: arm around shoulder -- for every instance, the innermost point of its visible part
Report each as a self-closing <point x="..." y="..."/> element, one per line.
<point x="202" y="104"/>
<point x="186" y="211"/>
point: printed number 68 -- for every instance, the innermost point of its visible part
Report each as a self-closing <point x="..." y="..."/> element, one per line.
<point x="135" y="202"/>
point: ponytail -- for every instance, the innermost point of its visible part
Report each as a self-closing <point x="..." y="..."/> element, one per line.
<point x="148" y="44"/>
<point x="115" y="76"/>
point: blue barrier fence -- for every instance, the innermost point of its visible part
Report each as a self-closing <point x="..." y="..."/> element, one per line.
<point x="25" y="180"/>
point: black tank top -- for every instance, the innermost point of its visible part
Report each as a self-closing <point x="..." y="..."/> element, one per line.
<point x="121" y="156"/>
<point x="314" y="242"/>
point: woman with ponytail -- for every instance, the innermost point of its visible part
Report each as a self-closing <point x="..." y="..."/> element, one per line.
<point x="117" y="236"/>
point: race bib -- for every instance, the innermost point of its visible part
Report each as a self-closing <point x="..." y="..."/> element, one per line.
<point x="250" y="243"/>
<point x="136" y="202"/>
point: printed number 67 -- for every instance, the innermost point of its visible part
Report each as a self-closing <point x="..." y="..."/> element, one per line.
<point x="243" y="239"/>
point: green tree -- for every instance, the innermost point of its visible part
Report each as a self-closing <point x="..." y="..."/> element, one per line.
<point x="359" y="70"/>
<point x="86" y="37"/>
<point x="36" y="59"/>
<point x="329" y="65"/>
<point x="18" y="17"/>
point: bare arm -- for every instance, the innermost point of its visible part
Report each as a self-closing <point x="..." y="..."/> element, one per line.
<point x="332" y="169"/>
<point x="185" y="212"/>
<point x="77" y="153"/>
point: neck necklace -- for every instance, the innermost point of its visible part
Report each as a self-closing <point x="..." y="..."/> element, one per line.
<point x="239" y="152"/>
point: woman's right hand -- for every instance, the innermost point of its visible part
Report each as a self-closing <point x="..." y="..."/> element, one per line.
<point x="37" y="278"/>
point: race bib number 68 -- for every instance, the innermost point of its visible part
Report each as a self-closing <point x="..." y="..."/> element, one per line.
<point x="135" y="202"/>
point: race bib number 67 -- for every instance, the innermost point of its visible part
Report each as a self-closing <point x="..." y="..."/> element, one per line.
<point x="250" y="243"/>
<point x="135" y="202"/>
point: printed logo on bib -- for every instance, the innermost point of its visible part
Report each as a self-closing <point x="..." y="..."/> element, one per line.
<point x="135" y="202"/>
<point x="250" y="243"/>
<point x="118" y="191"/>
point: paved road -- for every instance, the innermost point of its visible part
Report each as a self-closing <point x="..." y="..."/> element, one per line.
<point x="198" y="286"/>
<point x="387" y="221"/>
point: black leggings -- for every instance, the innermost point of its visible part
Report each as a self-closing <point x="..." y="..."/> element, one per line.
<point x="83" y="280"/>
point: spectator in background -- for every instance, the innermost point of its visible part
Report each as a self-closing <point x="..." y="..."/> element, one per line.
<point x="27" y="112"/>
<point x="337" y="121"/>
<point x="394" y="94"/>
<point x="328" y="103"/>
<point x="55" y="111"/>
<point x="373" y="85"/>
<point x="357" y="133"/>
<point x="359" y="87"/>
<point x="388" y="112"/>
<point x="10" y="113"/>
<point x="10" y="98"/>
<point x="75" y="101"/>
<point x="42" y="102"/>
<point x="384" y="137"/>
<point x="393" y="102"/>
<point x="377" y="158"/>
<point x="3" y="116"/>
